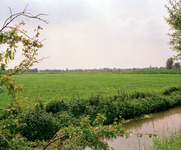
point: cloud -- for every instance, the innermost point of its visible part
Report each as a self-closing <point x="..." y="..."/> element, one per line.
<point x="97" y="34"/>
<point x="91" y="44"/>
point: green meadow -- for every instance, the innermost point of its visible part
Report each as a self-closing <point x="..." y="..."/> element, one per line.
<point x="69" y="85"/>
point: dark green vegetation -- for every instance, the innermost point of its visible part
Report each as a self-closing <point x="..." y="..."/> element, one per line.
<point x="169" y="143"/>
<point x="64" y="86"/>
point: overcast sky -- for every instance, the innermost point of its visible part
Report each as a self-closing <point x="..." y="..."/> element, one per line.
<point x="91" y="34"/>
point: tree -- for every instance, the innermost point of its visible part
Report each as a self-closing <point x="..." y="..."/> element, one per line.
<point x="174" y="20"/>
<point x="176" y="65"/>
<point x="11" y="36"/>
<point x="169" y="63"/>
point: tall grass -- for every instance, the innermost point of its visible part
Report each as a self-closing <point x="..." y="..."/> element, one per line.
<point x="163" y="142"/>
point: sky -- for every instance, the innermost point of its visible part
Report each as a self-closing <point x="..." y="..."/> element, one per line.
<point x="88" y="34"/>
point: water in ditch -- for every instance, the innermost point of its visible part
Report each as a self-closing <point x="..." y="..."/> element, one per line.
<point x="161" y="123"/>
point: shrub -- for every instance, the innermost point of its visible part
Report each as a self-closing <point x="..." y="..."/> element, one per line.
<point x="170" y="90"/>
<point x="77" y="107"/>
<point x="137" y="95"/>
<point x="55" y="106"/>
<point x="66" y="118"/>
<point x="38" y="124"/>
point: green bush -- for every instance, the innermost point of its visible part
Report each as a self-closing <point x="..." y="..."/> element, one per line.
<point x="125" y="105"/>
<point x="38" y="124"/>
<point x="66" y="118"/>
<point x="55" y="106"/>
<point x="170" y="90"/>
<point x="137" y="95"/>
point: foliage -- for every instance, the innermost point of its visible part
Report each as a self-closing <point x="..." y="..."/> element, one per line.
<point x="170" y="90"/>
<point x="11" y="36"/>
<point x="125" y="105"/>
<point x="55" y="106"/>
<point x="169" y="63"/>
<point x="166" y="142"/>
<point x="174" y="20"/>
<point x="38" y="124"/>
<point x="86" y="135"/>
<point x="66" y="118"/>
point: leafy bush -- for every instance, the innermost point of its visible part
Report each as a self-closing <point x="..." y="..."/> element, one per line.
<point x="66" y="118"/>
<point x="10" y="110"/>
<point x="170" y="90"/>
<point x="137" y="95"/>
<point x="125" y="105"/>
<point x="55" y="106"/>
<point x="38" y="124"/>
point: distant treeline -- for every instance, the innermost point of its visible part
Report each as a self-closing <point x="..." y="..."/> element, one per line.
<point x="156" y="71"/>
<point x="152" y="70"/>
<point x="89" y="70"/>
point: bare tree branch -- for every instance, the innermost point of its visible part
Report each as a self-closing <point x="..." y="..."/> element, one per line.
<point x="24" y="13"/>
<point x="10" y="11"/>
<point x="25" y="8"/>
<point x="25" y="68"/>
<point x="7" y="141"/>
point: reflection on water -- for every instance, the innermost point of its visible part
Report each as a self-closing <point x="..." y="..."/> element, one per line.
<point x="162" y="122"/>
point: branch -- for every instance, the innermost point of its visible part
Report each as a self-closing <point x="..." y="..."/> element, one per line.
<point x="25" y="8"/>
<point x="18" y="71"/>
<point x="24" y="13"/>
<point x="53" y="140"/>
<point x="20" y="31"/>
<point x="39" y="60"/>
<point x="10" y="11"/>
<point x="7" y="141"/>
<point x="24" y="34"/>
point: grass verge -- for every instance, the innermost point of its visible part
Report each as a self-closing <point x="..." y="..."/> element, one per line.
<point x="172" y="142"/>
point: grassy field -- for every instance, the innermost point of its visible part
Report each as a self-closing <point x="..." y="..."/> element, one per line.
<point x="48" y="86"/>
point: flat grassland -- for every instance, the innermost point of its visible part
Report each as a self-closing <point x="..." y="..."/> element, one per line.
<point x="64" y="86"/>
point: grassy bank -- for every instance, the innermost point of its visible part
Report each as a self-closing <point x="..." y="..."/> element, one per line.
<point x="172" y="142"/>
<point x="126" y="105"/>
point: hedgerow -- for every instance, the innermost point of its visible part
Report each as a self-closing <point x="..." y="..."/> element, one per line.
<point x="125" y="105"/>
